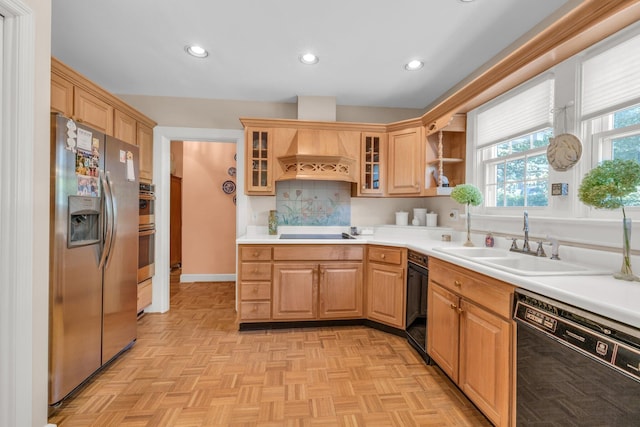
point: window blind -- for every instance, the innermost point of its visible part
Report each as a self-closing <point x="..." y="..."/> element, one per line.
<point x="610" y="79"/>
<point x="520" y="111"/>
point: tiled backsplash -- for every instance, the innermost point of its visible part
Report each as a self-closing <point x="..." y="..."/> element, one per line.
<point x="320" y="203"/>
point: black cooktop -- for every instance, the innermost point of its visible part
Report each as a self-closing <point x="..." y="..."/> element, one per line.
<point x="317" y="236"/>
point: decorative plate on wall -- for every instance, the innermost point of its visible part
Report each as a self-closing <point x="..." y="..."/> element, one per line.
<point x="231" y="171"/>
<point x="229" y="187"/>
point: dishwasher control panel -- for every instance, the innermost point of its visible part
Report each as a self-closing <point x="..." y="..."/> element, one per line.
<point x="580" y="333"/>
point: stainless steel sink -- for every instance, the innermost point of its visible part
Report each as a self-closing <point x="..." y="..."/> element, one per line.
<point x="525" y="265"/>
<point x="474" y="252"/>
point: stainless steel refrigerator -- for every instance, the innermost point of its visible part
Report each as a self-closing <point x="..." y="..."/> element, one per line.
<point x="93" y="253"/>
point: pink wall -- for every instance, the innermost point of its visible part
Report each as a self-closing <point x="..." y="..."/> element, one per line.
<point x="208" y="214"/>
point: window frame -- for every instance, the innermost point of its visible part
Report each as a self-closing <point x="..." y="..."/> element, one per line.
<point x="476" y="171"/>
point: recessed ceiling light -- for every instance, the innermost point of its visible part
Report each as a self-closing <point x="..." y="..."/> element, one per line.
<point x="309" y="59"/>
<point x="197" y="51"/>
<point x="413" y="65"/>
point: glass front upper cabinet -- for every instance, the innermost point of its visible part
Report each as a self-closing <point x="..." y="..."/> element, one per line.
<point x="372" y="166"/>
<point x="259" y="167"/>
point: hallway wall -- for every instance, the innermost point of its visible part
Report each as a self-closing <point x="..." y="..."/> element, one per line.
<point x="208" y="214"/>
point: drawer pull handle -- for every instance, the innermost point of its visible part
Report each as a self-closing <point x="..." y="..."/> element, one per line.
<point x="453" y="306"/>
<point x="383" y="256"/>
<point x="457" y="283"/>
<point x="255" y="254"/>
<point x="459" y="310"/>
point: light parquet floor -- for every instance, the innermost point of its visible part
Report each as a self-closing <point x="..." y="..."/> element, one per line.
<point x="191" y="367"/>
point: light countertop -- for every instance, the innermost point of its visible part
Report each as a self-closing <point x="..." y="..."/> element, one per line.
<point x="601" y="294"/>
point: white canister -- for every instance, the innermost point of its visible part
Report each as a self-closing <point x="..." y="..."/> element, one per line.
<point x="402" y="218"/>
<point x="432" y="220"/>
<point x="420" y="213"/>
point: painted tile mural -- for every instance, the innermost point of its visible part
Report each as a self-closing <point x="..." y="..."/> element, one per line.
<point x="313" y="203"/>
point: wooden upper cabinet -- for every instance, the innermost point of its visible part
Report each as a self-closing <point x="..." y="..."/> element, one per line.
<point x="92" y="111"/>
<point x="61" y="95"/>
<point x="145" y="144"/>
<point x="124" y="127"/>
<point x="259" y="161"/>
<point x="78" y="98"/>
<point x="405" y="168"/>
<point x="373" y="153"/>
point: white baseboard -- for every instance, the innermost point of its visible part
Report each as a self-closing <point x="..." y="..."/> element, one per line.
<point x="207" y="278"/>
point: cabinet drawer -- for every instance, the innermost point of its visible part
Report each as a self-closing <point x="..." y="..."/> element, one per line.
<point x="255" y="291"/>
<point x="255" y="271"/>
<point x="318" y="253"/>
<point x="386" y="255"/>
<point x="145" y="294"/>
<point x="255" y="253"/>
<point x="483" y="290"/>
<point x="258" y="310"/>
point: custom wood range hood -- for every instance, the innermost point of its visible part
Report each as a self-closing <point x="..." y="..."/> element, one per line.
<point x="317" y="155"/>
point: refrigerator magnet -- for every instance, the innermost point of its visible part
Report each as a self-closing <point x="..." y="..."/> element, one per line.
<point x="131" y="175"/>
<point x="84" y="140"/>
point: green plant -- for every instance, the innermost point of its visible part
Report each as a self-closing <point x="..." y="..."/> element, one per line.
<point x="467" y="194"/>
<point x="604" y="187"/>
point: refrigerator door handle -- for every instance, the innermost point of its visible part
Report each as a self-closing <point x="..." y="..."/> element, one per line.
<point x="114" y="216"/>
<point x="107" y="238"/>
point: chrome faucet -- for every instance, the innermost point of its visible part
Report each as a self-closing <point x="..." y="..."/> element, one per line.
<point x="525" y="245"/>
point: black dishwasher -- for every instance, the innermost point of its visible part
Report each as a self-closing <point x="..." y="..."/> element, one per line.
<point x="574" y="368"/>
<point x="416" y="320"/>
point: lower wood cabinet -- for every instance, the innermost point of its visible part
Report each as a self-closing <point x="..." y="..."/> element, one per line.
<point x="340" y="290"/>
<point x="386" y="285"/>
<point x="469" y="335"/>
<point x="145" y="294"/>
<point x="254" y="277"/>
<point x="295" y="291"/>
<point x="329" y="290"/>
<point x="300" y="282"/>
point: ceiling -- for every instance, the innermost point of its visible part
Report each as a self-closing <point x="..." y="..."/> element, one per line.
<point x="137" y="47"/>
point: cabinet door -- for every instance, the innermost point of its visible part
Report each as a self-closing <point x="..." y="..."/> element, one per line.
<point x="386" y="294"/>
<point x="340" y="290"/>
<point x="443" y="329"/>
<point x="61" y="95"/>
<point x="372" y="164"/>
<point x="258" y="166"/>
<point x="485" y="362"/>
<point x="406" y="163"/>
<point x="295" y="291"/>
<point x="92" y="111"/>
<point x="145" y="144"/>
<point x="124" y="127"/>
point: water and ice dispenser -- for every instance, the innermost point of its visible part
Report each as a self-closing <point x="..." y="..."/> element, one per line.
<point x="83" y="221"/>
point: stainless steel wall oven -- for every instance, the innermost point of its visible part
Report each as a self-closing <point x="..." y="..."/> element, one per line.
<point x="146" y="232"/>
<point x="147" y="204"/>
<point x="416" y="321"/>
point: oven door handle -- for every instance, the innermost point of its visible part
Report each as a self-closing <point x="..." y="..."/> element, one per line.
<point x="143" y="233"/>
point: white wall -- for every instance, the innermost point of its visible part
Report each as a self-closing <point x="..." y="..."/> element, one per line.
<point x="24" y="212"/>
